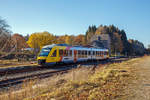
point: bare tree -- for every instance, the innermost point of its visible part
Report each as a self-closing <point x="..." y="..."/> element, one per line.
<point x="6" y="43"/>
<point x="4" y="33"/>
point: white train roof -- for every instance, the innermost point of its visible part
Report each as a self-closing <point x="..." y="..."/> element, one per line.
<point x="76" y="47"/>
<point x="52" y="45"/>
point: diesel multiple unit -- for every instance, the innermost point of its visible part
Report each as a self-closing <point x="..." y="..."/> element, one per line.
<point x="61" y="53"/>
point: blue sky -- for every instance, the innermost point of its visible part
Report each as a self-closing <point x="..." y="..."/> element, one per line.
<point x="73" y="17"/>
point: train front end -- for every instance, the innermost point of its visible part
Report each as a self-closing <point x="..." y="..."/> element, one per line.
<point x="43" y="55"/>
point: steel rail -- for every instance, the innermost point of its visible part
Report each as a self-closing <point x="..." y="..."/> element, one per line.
<point x="14" y="81"/>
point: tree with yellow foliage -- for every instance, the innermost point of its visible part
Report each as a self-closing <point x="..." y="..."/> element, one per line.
<point x="61" y="39"/>
<point x="79" y="40"/>
<point x="70" y="39"/>
<point x="40" y="39"/>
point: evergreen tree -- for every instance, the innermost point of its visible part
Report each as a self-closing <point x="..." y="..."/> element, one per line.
<point x="89" y="33"/>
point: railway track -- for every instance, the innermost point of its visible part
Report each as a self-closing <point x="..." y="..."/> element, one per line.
<point x="14" y="81"/>
<point x="14" y="70"/>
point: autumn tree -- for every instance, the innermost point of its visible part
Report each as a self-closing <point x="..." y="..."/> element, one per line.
<point x="70" y="40"/>
<point x="61" y="39"/>
<point x="19" y="41"/>
<point x="40" y="39"/>
<point x="79" y="40"/>
<point x="117" y="46"/>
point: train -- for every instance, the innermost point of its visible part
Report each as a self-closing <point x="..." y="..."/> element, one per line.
<point x="63" y="53"/>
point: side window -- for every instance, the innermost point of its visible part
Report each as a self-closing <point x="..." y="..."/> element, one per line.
<point x="93" y="52"/>
<point x="66" y="53"/>
<point x="89" y="53"/>
<point x="101" y="53"/>
<point x="60" y="52"/>
<point x="54" y="54"/>
<point x="82" y="54"/>
<point x="79" y="53"/>
<point x="70" y="51"/>
<point x="96" y="53"/>
<point x="85" y="52"/>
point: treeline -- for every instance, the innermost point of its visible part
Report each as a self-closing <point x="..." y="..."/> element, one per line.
<point x="119" y="42"/>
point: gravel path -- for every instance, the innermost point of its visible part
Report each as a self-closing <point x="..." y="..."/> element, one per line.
<point x="140" y="89"/>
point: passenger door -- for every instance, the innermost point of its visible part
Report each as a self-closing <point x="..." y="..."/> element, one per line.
<point x="53" y="57"/>
<point x="75" y="55"/>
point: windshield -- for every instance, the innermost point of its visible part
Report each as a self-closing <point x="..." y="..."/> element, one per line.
<point x="45" y="51"/>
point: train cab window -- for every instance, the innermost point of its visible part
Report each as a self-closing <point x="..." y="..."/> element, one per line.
<point x="45" y="52"/>
<point x="60" y="52"/>
<point x="54" y="54"/>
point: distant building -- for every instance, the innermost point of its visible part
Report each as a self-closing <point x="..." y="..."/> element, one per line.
<point x="101" y="41"/>
<point x="27" y="49"/>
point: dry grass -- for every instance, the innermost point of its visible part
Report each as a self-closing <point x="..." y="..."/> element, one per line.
<point x="103" y="83"/>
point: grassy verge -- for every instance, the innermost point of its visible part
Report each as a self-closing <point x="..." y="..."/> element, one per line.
<point x="103" y="83"/>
